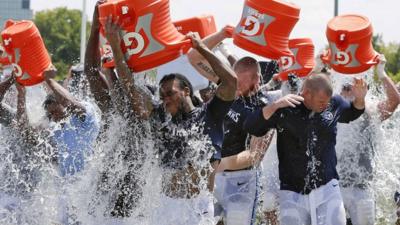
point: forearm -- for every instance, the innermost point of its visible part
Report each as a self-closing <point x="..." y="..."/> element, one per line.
<point x="228" y="81"/>
<point x="98" y="86"/>
<point x="388" y="106"/>
<point x="141" y="102"/>
<point x="252" y="156"/>
<point x="236" y="162"/>
<point x="269" y="110"/>
<point x="63" y="96"/>
<point x="22" y="117"/>
<point x="4" y="86"/>
<point x="255" y="124"/>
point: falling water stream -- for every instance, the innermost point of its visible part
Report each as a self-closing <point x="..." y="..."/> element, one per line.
<point x="89" y="199"/>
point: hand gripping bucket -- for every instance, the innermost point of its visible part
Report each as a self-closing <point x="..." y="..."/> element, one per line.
<point x="4" y="59"/>
<point x="265" y="27"/>
<point x="203" y="25"/>
<point x="302" y="62"/>
<point x="149" y="38"/>
<point x="25" y="48"/>
<point x="350" y="47"/>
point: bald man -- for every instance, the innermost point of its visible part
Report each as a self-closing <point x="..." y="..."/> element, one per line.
<point x="306" y="125"/>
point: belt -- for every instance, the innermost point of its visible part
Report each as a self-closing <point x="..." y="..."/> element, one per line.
<point x="247" y="168"/>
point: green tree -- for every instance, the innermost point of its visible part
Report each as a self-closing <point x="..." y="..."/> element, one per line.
<point x="60" y="29"/>
<point x="392" y="54"/>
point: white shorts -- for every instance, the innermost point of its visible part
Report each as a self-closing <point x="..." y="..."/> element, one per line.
<point x="270" y="179"/>
<point x="323" y="206"/>
<point x="196" y="211"/>
<point x="236" y="194"/>
<point x="359" y="205"/>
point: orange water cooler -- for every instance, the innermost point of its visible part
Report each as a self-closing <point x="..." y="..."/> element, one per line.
<point x="265" y="27"/>
<point x="203" y="25"/>
<point x="301" y="63"/>
<point x="149" y="38"/>
<point x="350" y="44"/>
<point x="26" y="51"/>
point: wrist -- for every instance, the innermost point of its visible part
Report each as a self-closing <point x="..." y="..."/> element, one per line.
<point x="382" y="75"/>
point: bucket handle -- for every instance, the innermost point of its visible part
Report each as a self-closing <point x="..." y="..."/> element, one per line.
<point x="373" y="61"/>
<point x="325" y="56"/>
<point x="183" y="45"/>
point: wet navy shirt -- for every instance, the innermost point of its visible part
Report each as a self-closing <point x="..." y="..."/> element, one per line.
<point x="235" y="138"/>
<point x="193" y="136"/>
<point x="306" y="142"/>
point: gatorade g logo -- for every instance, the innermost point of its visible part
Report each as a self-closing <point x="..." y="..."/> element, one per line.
<point x="17" y="69"/>
<point x="346" y="58"/>
<point x="286" y="62"/>
<point x="289" y="62"/>
<point x="135" y="42"/>
<point x="253" y="25"/>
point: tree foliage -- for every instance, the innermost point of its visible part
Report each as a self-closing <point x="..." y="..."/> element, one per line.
<point x="392" y="54"/>
<point x="60" y="29"/>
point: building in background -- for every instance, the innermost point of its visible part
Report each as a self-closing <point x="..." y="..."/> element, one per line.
<point x="16" y="10"/>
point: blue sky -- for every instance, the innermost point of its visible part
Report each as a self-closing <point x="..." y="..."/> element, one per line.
<point x="384" y="14"/>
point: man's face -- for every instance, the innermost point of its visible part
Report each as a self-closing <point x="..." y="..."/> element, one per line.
<point x="317" y="101"/>
<point x="248" y="82"/>
<point x="172" y="96"/>
<point x="55" y="111"/>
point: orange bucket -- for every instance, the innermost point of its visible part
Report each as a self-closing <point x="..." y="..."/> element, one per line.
<point x="265" y="27"/>
<point x="149" y="38"/>
<point x="302" y="62"/>
<point x="350" y="44"/>
<point x="203" y="25"/>
<point x="25" y="47"/>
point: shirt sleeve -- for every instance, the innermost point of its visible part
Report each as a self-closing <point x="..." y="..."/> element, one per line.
<point x="218" y="108"/>
<point x="349" y="112"/>
<point x="255" y="123"/>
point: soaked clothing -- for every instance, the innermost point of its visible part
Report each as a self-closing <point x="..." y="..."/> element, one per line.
<point x="306" y="142"/>
<point x="235" y="138"/>
<point x="74" y="140"/>
<point x="193" y="136"/>
<point x="323" y="205"/>
<point x="237" y="196"/>
<point x="356" y="152"/>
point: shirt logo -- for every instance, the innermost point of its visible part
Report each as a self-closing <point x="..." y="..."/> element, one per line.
<point x="234" y="115"/>
<point x="327" y="115"/>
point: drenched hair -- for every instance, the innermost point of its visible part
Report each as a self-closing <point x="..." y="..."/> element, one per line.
<point x="247" y="64"/>
<point x="50" y="99"/>
<point x="318" y="82"/>
<point x="183" y="83"/>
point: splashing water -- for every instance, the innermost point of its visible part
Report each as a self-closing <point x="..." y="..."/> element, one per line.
<point x="124" y="163"/>
<point x="367" y="149"/>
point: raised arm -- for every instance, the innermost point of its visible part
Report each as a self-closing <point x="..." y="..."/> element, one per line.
<point x="6" y="115"/>
<point x="140" y="100"/>
<point x="61" y="94"/>
<point x="260" y="121"/>
<point x="389" y="105"/>
<point x="5" y="85"/>
<point x="356" y="108"/>
<point x="201" y="64"/>
<point x="227" y="77"/>
<point x="92" y="65"/>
